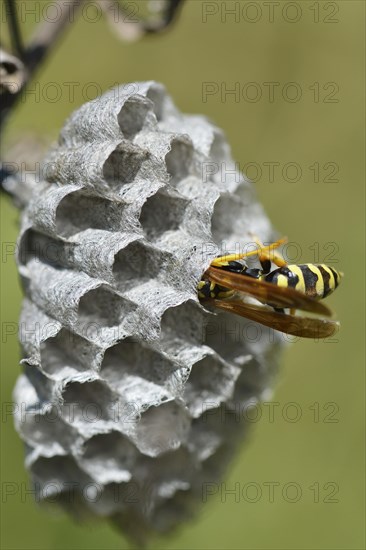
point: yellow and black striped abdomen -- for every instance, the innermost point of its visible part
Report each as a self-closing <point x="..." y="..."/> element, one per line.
<point x="315" y="280"/>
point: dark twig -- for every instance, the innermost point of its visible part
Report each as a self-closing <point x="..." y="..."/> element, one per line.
<point x="119" y="19"/>
<point x="5" y="173"/>
<point x="47" y="33"/>
<point x="40" y="46"/>
<point x="131" y="29"/>
<point x="15" y="34"/>
<point x="170" y="13"/>
<point x="12" y="72"/>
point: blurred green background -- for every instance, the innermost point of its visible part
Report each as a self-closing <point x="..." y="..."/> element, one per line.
<point x="321" y="51"/>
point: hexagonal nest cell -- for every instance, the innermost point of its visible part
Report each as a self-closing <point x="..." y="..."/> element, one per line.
<point x="132" y="356"/>
<point x="162" y="428"/>
<point x="184" y="322"/>
<point x="162" y="213"/>
<point x="133" y="114"/>
<point x="78" y="212"/>
<point x="88" y="402"/>
<point x="67" y="354"/>
<point x="142" y="375"/>
<point x="135" y="264"/>
<point x="36" y="245"/>
<point x="123" y="164"/>
<point x="179" y="159"/>
<point x="109" y="457"/>
<point x="210" y="383"/>
<point x="103" y="307"/>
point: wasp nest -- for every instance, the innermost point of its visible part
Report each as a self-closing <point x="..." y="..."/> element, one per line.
<point x="133" y="394"/>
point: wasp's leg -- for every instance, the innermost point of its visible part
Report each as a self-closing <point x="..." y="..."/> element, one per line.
<point x="209" y="289"/>
<point x="253" y="272"/>
<point x="267" y="255"/>
<point x="260" y="251"/>
<point x="266" y="260"/>
<point x="266" y="265"/>
<point x="238" y="268"/>
<point x="279" y="309"/>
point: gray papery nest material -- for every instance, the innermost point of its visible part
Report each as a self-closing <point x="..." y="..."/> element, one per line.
<point x="134" y="396"/>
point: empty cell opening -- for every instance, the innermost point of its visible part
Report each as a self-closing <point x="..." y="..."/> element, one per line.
<point x="73" y="499"/>
<point x="55" y="473"/>
<point x="136" y="261"/>
<point x="124" y="163"/>
<point x="102" y="306"/>
<point x="171" y="468"/>
<point x="228" y="218"/>
<point x="88" y="402"/>
<point x="213" y="469"/>
<point x="42" y="385"/>
<point x="226" y="428"/>
<point x="168" y="473"/>
<point x="173" y="511"/>
<point x="252" y="381"/>
<point x="25" y="282"/>
<point x="227" y="210"/>
<point x="179" y="159"/>
<point x="44" y="248"/>
<point x="162" y="429"/>
<point x="132" y="116"/>
<point x="184" y="322"/>
<point x="219" y="150"/>
<point x="66" y="354"/>
<point x="131" y="357"/>
<point x="203" y="441"/>
<point x="232" y="336"/>
<point x="162" y="213"/>
<point x="209" y="383"/>
<point x="157" y="96"/>
<point x="109" y="457"/>
<point x="113" y="498"/>
<point x="78" y="212"/>
<point x="210" y="424"/>
<point x="47" y="430"/>
<point x="217" y="423"/>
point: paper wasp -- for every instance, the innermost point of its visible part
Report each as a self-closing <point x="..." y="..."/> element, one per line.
<point x="227" y="284"/>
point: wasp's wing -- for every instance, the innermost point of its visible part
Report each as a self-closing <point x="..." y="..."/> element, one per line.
<point x="297" y="326"/>
<point x="267" y="293"/>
